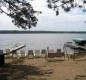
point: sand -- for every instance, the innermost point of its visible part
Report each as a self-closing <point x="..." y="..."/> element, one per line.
<point x="40" y="69"/>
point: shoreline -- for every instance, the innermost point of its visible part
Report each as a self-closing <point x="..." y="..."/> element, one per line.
<point x="38" y="32"/>
<point x="40" y="69"/>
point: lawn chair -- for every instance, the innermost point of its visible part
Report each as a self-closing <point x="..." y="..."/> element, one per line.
<point x="14" y="54"/>
<point x="43" y="53"/>
<point x="8" y="54"/>
<point x="37" y="54"/>
<point x="22" y="54"/>
<point x="50" y="54"/>
<point x="30" y="54"/>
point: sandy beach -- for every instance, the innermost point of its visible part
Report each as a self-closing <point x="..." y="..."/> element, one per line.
<point x="40" y="69"/>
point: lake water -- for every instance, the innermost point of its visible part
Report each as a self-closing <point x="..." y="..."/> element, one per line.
<point x="38" y="41"/>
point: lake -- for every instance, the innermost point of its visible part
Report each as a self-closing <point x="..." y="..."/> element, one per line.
<point x="39" y="40"/>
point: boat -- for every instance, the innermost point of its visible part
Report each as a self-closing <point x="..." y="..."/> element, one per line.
<point x="80" y="41"/>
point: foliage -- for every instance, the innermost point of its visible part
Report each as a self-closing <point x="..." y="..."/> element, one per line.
<point x="21" y="12"/>
<point x="66" y="5"/>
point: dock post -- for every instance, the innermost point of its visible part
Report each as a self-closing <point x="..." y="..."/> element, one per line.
<point x="2" y="58"/>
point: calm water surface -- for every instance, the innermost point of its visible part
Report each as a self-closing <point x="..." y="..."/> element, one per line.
<point x="38" y="41"/>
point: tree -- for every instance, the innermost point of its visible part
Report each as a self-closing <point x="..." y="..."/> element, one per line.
<point x="21" y="12"/>
<point x="66" y="5"/>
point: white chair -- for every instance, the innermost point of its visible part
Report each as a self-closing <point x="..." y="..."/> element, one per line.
<point x="22" y="54"/>
<point x="58" y="51"/>
<point x="37" y="54"/>
<point x="15" y="54"/>
<point x="51" y="51"/>
<point x="43" y="53"/>
<point x="8" y="54"/>
<point x="30" y="54"/>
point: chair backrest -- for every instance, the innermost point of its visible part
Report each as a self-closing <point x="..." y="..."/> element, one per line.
<point x="7" y="50"/>
<point x="8" y="53"/>
<point x="30" y="54"/>
<point x="37" y="53"/>
<point x="22" y="52"/>
<point x="43" y="51"/>
<point x="58" y="51"/>
<point x="30" y="51"/>
<point x="51" y="51"/>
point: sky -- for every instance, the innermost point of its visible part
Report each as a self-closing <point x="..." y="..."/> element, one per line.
<point x="71" y="21"/>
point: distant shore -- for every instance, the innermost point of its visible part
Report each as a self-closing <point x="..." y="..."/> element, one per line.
<point x="32" y="32"/>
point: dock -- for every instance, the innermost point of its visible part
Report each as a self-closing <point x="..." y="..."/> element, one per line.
<point x="12" y="50"/>
<point x="17" y="48"/>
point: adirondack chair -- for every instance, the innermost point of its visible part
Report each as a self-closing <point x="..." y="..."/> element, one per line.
<point x="30" y="54"/>
<point x="8" y="55"/>
<point x="37" y="54"/>
<point x="43" y="53"/>
<point x="22" y="54"/>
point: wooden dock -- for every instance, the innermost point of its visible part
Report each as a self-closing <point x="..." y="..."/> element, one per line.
<point x="12" y="50"/>
<point x="17" y="48"/>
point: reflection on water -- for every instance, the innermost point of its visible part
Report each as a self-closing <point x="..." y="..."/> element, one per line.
<point x="37" y="41"/>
